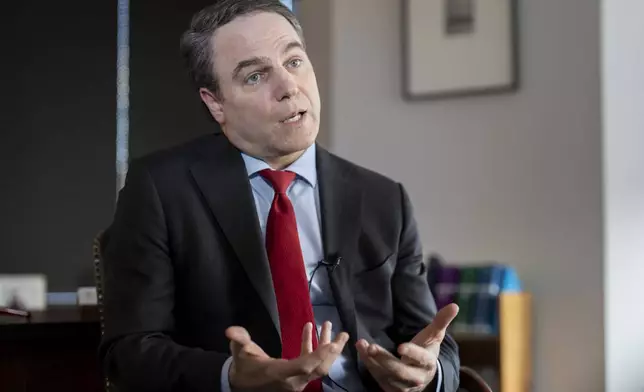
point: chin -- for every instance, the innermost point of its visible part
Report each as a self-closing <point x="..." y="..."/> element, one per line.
<point x="296" y="141"/>
<point x="292" y="148"/>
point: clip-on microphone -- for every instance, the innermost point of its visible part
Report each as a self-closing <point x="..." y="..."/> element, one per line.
<point x="331" y="262"/>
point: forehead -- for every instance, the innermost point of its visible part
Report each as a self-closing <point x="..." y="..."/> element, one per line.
<point x="260" y="34"/>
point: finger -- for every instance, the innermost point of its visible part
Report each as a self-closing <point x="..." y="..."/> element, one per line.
<point x="363" y="353"/>
<point x="362" y="346"/>
<point x="239" y="335"/>
<point x="415" y="355"/>
<point x="315" y="364"/>
<point x="382" y="376"/>
<point x="340" y="341"/>
<point x="325" y="335"/>
<point x="241" y="343"/>
<point x="435" y="331"/>
<point x="337" y="346"/>
<point x="395" y="370"/>
<point x="307" y="342"/>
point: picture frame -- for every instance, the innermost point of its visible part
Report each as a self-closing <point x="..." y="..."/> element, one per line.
<point x="456" y="48"/>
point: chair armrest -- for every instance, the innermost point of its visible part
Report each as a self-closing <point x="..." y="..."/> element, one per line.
<point x="471" y="381"/>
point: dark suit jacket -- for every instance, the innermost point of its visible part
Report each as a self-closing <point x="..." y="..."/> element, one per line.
<point x="184" y="260"/>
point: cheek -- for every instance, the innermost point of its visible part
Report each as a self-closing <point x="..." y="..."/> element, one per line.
<point x="249" y="108"/>
<point x="254" y="119"/>
<point x="265" y="107"/>
<point x="312" y="89"/>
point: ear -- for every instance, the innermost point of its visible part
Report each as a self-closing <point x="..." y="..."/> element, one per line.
<point x="214" y="105"/>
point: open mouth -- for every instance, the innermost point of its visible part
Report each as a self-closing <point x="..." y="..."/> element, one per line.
<point x="295" y="117"/>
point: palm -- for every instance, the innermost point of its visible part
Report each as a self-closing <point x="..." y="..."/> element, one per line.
<point x="418" y="361"/>
<point x="253" y="369"/>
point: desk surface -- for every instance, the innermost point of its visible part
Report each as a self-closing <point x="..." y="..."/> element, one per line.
<point x="61" y="322"/>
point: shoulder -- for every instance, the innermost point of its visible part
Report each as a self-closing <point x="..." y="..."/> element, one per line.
<point x="365" y="178"/>
<point x="176" y="159"/>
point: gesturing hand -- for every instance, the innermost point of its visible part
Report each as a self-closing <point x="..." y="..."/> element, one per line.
<point x="252" y="369"/>
<point x="418" y="364"/>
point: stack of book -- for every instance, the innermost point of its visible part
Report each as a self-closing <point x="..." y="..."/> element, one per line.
<point x="475" y="288"/>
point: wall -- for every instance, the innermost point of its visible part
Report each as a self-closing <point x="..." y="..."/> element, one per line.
<point x="57" y="136"/>
<point x="165" y="108"/>
<point x="59" y="127"/>
<point x="316" y="20"/>
<point x="623" y="100"/>
<point x="514" y="178"/>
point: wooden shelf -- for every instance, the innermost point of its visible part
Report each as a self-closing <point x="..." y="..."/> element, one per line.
<point x="478" y="350"/>
<point x="515" y="324"/>
<point x="510" y="352"/>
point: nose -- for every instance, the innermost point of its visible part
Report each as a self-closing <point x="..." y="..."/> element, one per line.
<point x="287" y="86"/>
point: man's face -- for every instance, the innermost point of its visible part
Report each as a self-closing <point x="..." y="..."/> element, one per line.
<point x="270" y="103"/>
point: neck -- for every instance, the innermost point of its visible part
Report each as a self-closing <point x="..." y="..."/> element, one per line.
<point x="281" y="162"/>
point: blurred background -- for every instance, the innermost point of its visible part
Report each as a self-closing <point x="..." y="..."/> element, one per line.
<point x="535" y="164"/>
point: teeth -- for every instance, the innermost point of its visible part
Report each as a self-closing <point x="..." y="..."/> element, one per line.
<point x="293" y="119"/>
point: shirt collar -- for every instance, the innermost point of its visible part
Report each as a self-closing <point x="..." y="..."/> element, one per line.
<point x="304" y="166"/>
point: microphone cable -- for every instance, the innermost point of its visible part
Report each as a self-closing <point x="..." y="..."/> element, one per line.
<point x="330" y="268"/>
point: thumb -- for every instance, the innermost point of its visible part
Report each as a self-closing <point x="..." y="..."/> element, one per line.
<point x="239" y="338"/>
<point x="435" y="331"/>
<point x="238" y="335"/>
<point x="241" y="343"/>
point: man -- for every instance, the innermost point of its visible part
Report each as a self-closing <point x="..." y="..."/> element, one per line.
<point x="253" y="259"/>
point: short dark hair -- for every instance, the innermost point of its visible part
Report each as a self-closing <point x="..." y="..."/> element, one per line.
<point x="196" y="42"/>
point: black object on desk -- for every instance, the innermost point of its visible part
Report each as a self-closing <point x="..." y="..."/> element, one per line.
<point x="11" y="312"/>
<point x="50" y="350"/>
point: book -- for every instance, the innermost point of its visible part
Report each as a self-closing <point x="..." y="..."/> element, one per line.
<point x="475" y="288"/>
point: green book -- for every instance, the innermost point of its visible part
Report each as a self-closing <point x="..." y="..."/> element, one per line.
<point x="465" y="300"/>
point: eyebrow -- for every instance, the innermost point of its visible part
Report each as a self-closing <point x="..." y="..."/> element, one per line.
<point x="249" y="63"/>
<point x="254" y="61"/>
<point x="293" y="45"/>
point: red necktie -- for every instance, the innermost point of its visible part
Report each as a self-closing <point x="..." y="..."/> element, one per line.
<point x="287" y="268"/>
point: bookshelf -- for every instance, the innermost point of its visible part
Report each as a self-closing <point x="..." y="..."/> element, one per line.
<point x="509" y="353"/>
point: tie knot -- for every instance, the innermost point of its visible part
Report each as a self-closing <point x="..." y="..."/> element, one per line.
<point x="279" y="180"/>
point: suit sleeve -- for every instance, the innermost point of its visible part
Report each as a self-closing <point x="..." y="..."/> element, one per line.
<point x="137" y="352"/>
<point x="414" y="305"/>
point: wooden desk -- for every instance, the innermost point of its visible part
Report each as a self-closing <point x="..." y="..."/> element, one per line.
<point x="55" y="350"/>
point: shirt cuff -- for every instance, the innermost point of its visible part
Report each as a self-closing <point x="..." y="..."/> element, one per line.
<point x="439" y="374"/>
<point x="225" y="383"/>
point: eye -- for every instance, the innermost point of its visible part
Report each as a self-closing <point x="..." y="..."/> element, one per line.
<point x="295" y="63"/>
<point x="253" y="78"/>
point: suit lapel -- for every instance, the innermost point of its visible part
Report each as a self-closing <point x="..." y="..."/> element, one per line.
<point x="221" y="176"/>
<point x="340" y="204"/>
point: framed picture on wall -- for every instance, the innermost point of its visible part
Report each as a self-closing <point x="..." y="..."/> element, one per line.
<point x="459" y="47"/>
